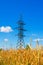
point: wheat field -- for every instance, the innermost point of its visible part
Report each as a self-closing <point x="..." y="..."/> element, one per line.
<point x="21" y="57"/>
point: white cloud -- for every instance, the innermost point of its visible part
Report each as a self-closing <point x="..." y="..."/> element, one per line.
<point x="6" y="29"/>
<point x="39" y="39"/>
<point x="5" y="40"/>
<point x="33" y="34"/>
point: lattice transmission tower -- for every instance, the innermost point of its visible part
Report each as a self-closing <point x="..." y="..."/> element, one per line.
<point x="21" y="30"/>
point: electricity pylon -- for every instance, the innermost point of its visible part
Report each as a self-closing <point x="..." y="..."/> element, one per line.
<point x="20" y="28"/>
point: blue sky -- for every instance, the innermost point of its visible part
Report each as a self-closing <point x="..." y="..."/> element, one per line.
<point x="32" y="11"/>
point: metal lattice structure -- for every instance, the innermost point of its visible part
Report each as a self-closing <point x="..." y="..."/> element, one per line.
<point x="20" y="28"/>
